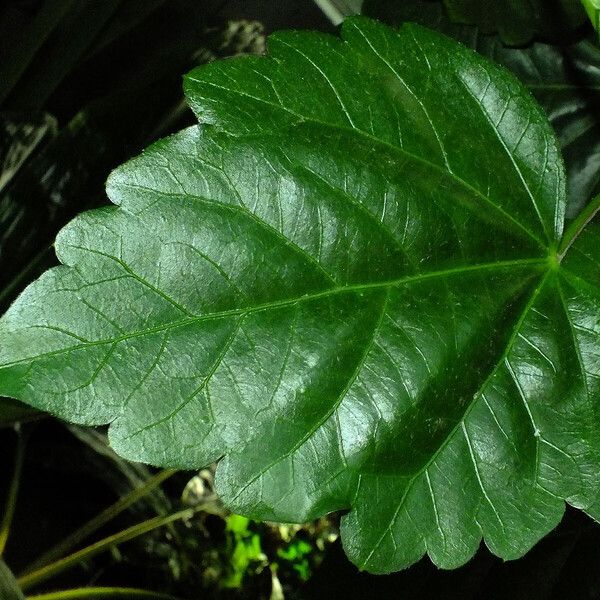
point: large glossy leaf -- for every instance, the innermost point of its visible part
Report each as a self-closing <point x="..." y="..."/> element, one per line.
<point x="350" y="287"/>
<point x="565" y="80"/>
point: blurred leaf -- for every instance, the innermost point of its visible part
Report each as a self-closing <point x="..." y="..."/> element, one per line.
<point x="592" y="8"/>
<point x="9" y="589"/>
<point x="21" y="135"/>
<point x="237" y="524"/>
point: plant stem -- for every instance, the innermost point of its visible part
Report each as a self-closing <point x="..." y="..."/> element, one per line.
<point x="98" y="521"/>
<point x="101" y="592"/>
<point x="578" y="225"/>
<point x="13" y="492"/>
<point x="30" y="579"/>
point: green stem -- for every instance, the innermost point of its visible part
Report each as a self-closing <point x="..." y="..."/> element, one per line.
<point x="13" y="492"/>
<point x="103" y="518"/>
<point x="578" y="225"/>
<point x="101" y="592"/>
<point x="30" y="579"/>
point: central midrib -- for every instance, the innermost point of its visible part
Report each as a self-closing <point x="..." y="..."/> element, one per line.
<point x="356" y="288"/>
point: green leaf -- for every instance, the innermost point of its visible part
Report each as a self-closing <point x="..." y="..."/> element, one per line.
<point x="349" y="285"/>
<point x="9" y="590"/>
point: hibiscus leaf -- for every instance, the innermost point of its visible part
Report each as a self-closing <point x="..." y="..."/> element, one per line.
<point x="350" y="285"/>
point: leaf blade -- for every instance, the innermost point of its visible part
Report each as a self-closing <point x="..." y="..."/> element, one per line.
<point x="340" y="304"/>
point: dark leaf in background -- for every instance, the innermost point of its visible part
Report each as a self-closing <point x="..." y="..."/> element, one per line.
<point x="518" y="21"/>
